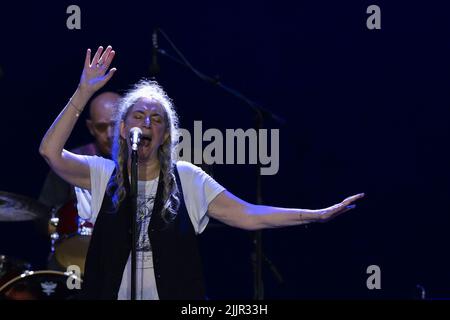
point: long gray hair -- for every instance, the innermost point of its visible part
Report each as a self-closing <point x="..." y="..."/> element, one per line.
<point x="166" y="152"/>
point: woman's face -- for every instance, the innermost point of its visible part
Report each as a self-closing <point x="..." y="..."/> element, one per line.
<point x="149" y="116"/>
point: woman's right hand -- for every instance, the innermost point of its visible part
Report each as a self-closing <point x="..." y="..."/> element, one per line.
<point x="95" y="74"/>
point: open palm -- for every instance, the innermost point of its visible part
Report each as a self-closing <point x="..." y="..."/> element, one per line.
<point x="95" y="73"/>
<point x="338" y="209"/>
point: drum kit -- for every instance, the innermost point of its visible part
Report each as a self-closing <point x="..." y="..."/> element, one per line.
<point x="69" y="237"/>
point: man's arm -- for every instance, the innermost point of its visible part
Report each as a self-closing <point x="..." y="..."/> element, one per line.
<point x="55" y="192"/>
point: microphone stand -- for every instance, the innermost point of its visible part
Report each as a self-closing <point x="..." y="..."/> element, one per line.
<point x="133" y="194"/>
<point x="260" y="114"/>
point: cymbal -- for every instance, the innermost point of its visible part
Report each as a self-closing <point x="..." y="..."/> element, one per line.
<point x="15" y="207"/>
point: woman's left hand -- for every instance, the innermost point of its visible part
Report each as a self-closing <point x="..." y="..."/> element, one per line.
<point x="332" y="212"/>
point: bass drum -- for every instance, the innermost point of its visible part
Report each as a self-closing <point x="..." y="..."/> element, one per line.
<point x="42" y="285"/>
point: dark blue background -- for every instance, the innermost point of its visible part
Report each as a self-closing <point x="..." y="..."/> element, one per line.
<point x="367" y="111"/>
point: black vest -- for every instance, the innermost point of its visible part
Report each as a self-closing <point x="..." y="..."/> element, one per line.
<point x="176" y="258"/>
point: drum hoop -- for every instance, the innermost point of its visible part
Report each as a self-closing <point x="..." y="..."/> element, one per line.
<point x="25" y="274"/>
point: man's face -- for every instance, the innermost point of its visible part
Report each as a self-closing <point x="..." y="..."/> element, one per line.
<point x="148" y="115"/>
<point x="101" y="124"/>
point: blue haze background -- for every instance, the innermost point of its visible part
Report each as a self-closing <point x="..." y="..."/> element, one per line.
<point x="367" y="111"/>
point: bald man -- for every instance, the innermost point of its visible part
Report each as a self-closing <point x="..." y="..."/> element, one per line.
<point x="55" y="191"/>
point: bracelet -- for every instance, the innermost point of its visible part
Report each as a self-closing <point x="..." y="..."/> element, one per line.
<point x="78" y="111"/>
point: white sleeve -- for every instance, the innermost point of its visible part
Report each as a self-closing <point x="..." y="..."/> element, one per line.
<point x="89" y="203"/>
<point x="199" y="189"/>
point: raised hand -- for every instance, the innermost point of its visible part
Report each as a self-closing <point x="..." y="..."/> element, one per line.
<point x="333" y="211"/>
<point x="95" y="74"/>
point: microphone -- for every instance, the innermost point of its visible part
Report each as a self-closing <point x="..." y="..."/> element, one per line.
<point x="135" y="137"/>
<point x="154" y="67"/>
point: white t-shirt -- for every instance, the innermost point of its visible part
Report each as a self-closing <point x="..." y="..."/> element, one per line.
<point x="199" y="189"/>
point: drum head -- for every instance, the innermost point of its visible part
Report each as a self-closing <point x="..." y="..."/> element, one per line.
<point x="41" y="285"/>
<point x="73" y="251"/>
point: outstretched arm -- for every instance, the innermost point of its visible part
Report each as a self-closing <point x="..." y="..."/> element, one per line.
<point x="67" y="165"/>
<point x="235" y="212"/>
